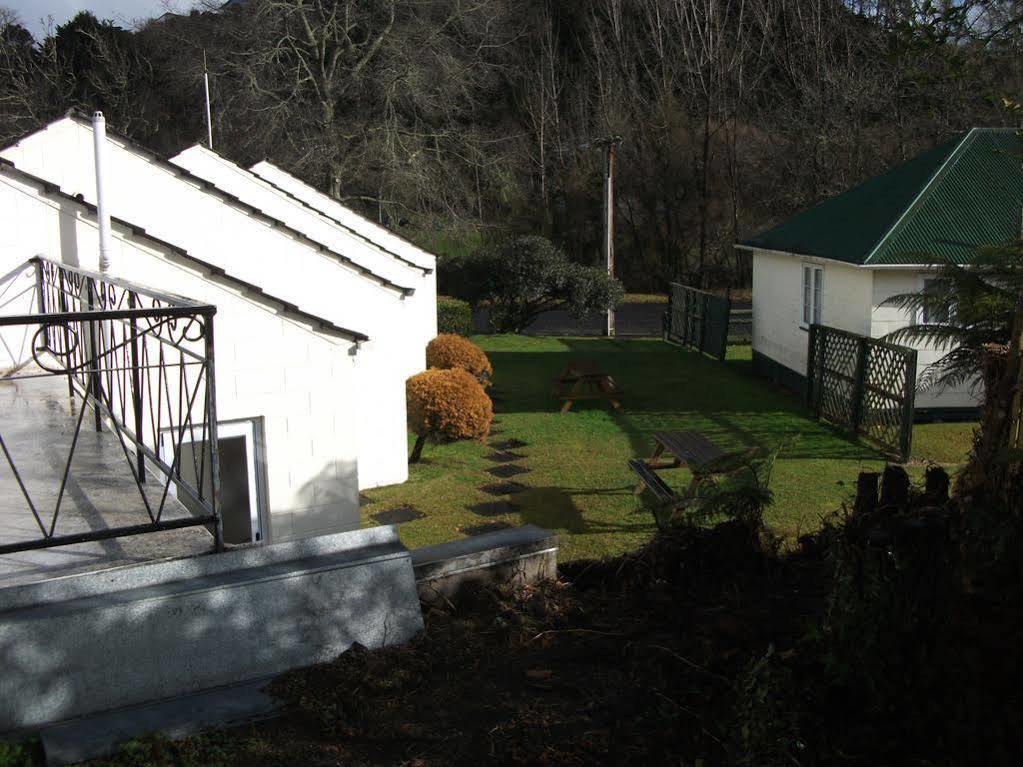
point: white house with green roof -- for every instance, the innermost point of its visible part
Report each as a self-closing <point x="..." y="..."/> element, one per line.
<point x="837" y="262"/>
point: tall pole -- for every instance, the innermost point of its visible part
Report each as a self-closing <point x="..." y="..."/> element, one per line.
<point x="209" y="116"/>
<point x="99" y="141"/>
<point x="609" y="220"/>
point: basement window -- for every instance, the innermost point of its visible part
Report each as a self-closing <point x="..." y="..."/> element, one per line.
<point x="813" y="294"/>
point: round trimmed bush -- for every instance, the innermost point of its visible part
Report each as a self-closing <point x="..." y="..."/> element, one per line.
<point x="449" y="351"/>
<point x="446" y="405"/>
<point x="454" y="316"/>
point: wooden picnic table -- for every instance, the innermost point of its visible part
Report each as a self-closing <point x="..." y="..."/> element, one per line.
<point x="584" y="379"/>
<point x="687" y="448"/>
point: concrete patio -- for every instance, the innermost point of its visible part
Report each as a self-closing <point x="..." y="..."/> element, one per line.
<point x="37" y="423"/>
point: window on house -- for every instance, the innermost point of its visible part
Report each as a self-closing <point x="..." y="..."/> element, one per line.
<point x="813" y="294"/>
<point x="935" y="315"/>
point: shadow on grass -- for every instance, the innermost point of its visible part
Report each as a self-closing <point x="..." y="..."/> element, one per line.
<point x="667" y="387"/>
<point x="555" y="508"/>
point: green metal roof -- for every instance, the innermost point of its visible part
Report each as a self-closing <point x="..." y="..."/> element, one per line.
<point x="941" y="205"/>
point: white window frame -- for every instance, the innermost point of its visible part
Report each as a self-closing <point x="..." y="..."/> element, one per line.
<point x="811" y="294"/>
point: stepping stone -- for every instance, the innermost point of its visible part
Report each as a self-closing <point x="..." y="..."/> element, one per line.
<point x="493" y="508"/>
<point x="503" y="488"/>
<point x="508" y="444"/>
<point x="508" y="470"/>
<point x="504" y="456"/>
<point x="486" y="527"/>
<point x="397" y="516"/>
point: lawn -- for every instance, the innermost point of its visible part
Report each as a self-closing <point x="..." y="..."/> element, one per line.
<point x="579" y="485"/>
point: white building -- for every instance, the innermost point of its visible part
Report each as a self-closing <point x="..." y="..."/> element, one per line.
<point x="318" y="325"/>
<point x="837" y="263"/>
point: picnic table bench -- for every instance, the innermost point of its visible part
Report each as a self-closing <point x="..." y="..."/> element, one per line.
<point x="582" y="380"/>
<point x="687" y="448"/>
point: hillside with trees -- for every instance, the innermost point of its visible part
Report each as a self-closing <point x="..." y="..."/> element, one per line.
<point x="453" y="120"/>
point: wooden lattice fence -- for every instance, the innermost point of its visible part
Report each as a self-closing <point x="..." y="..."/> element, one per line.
<point x="864" y="385"/>
<point x="697" y="318"/>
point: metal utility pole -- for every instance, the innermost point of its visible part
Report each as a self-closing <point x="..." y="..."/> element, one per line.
<point x="209" y="116"/>
<point x="611" y="143"/>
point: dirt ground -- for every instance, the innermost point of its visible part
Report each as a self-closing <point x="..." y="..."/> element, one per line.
<point x="701" y="649"/>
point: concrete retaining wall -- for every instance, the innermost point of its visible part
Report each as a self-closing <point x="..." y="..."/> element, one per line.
<point x="97" y="641"/>
<point x="517" y="556"/>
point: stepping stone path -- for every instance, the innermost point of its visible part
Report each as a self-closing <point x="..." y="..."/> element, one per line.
<point x="503" y="488"/>
<point x="506" y="470"/>
<point x="508" y="444"/>
<point x="493" y="508"/>
<point x="504" y="456"/>
<point x="397" y="516"/>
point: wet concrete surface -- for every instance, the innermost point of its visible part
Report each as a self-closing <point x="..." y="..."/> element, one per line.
<point x="37" y="423"/>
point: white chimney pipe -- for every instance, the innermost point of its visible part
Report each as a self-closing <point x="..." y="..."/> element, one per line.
<point x="99" y="136"/>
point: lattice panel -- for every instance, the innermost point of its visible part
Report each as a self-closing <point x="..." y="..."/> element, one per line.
<point x="884" y="395"/>
<point x="838" y="369"/>
<point x="864" y="385"/>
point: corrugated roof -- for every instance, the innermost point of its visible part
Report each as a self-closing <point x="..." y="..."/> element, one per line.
<point x="941" y="205"/>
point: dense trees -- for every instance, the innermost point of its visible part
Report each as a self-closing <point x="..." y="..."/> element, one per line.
<point x="474" y="115"/>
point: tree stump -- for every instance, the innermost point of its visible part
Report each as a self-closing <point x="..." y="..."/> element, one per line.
<point x="936" y="484"/>
<point x="866" y="492"/>
<point x="894" y="487"/>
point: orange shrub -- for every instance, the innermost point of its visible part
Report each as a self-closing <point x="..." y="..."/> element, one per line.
<point x="448" y="351"/>
<point x="446" y="405"/>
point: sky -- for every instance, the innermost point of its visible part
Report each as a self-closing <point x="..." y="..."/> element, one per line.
<point x="34" y="13"/>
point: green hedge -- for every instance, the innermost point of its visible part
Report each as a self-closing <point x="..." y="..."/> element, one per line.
<point x="454" y="316"/>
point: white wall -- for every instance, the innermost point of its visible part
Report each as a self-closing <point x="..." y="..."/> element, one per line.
<point x="302" y="382"/>
<point x="853" y="298"/>
<point x="180" y="211"/>
<point x="778" y="332"/>
<point x="886" y="319"/>
<point x="352" y="220"/>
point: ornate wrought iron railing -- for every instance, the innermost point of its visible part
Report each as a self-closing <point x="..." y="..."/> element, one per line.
<point x="142" y="363"/>
<point x="864" y="385"/>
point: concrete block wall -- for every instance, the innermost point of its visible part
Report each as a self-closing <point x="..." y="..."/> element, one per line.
<point x="304" y="384"/>
<point x="177" y="209"/>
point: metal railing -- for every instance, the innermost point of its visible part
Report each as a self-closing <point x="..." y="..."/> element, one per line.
<point x="142" y="362"/>
<point x="698" y="319"/>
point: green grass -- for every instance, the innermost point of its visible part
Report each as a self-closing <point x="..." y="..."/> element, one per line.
<point x="580" y="486"/>
<point x="646" y="298"/>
